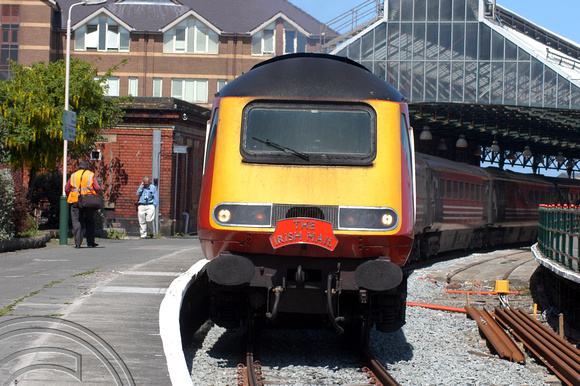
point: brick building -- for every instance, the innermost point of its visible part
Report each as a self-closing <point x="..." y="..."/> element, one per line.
<point x="184" y="49"/>
<point x="162" y="138"/>
<point x="179" y="54"/>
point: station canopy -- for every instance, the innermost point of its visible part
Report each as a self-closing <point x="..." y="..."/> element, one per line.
<point x="483" y="83"/>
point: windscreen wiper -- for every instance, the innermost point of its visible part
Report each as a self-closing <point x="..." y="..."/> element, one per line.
<point x="284" y="148"/>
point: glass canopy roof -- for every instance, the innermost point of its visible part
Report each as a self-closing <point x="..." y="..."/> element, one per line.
<point x="470" y="53"/>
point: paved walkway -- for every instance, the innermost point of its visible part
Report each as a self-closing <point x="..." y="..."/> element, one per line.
<point x="91" y="315"/>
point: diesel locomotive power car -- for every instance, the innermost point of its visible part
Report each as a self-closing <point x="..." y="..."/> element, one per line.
<point x="307" y="206"/>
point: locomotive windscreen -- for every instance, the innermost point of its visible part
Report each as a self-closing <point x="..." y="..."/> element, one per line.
<point x="309" y="134"/>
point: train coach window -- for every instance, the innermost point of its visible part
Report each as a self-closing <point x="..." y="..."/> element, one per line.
<point x="473" y="197"/>
<point x="461" y="190"/>
<point x="308" y="134"/>
<point x="449" y="190"/>
<point x="455" y="189"/>
<point x="478" y="192"/>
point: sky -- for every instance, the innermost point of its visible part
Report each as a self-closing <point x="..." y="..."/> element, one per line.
<point x="559" y="16"/>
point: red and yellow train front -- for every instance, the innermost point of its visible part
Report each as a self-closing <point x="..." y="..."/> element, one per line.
<point x="318" y="179"/>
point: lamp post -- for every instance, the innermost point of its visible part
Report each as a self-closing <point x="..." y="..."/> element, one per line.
<point x="63" y="223"/>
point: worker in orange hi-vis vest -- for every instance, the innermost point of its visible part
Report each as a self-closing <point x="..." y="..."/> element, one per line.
<point x="85" y="181"/>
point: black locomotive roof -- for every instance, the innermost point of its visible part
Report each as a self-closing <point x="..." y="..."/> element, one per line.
<point x="316" y="76"/>
<point x="437" y="163"/>
<point x="508" y="175"/>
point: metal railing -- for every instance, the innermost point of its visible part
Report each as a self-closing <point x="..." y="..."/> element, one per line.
<point x="558" y="234"/>
<point x="349" y="23"/>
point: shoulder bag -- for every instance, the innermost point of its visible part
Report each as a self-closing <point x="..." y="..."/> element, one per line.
<point x="88" y="201"/>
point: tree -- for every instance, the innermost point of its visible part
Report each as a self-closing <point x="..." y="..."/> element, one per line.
<point x="31" y="112"/>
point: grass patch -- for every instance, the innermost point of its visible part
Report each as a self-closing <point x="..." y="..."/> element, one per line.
<point x="30" y="233"/>
<point x="11" y="306"/>
<point x="114" y="234"/>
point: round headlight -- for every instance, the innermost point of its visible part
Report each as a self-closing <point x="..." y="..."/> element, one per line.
<point x="224" y="215"/>
<point x="387" y="219"/>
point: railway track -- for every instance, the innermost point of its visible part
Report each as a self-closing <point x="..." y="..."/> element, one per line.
<point x="377" y="373"/>
<point x="506" y="275"/>
<point x="251" y="373"/>
<point x="284" y="357"/>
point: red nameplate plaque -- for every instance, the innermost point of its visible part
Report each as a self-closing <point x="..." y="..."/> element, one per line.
<point x="303" y="231"/>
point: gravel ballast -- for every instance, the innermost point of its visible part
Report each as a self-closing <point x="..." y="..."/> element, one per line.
<point x="433" y="348"/>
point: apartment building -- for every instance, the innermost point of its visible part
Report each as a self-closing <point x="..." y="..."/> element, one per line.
<point x="185" y="49"/>
<point x="178" y="55"/>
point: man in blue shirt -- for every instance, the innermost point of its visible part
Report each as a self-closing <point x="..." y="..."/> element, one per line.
<point x="148" y="201"/>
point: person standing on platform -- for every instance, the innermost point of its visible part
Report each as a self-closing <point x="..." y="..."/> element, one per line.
<point x="82" y="180"/>
<point x="148" y="201"/>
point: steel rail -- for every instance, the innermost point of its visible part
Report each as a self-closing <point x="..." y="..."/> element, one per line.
<point x="377" y="370"/>
<point x="560" y="357"/>
<point x="253" y="370"/>
<point x="465" y="268"/>
<point x="250" y="367"/>
<point x="508" y="273"/>
<point x="496" y="336"/>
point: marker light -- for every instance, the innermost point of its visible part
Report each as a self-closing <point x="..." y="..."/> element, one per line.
<point x="243" y="214"/>
<point x="387" y="219"/>
<point x="224" y="215"/>
<point x="374" y="219"/>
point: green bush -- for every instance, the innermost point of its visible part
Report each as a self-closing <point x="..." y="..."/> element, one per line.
<point x="45" y="197"/>
<point x="21" y="206"/>
<point x="31" y="228"/>
<point x="6" y="204"/>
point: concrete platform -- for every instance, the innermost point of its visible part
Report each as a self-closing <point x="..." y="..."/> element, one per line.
<point x="558" y="269"/>
<point x="92" y="315"/>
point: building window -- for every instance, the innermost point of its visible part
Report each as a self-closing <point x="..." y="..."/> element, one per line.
<point x="10" y="30"/>
<point x="112" y="86"/>
<point x="190" y="36"/>
<point x="189" y="90"/>
<point x="102" y="34"/>
<point x="221" y="84"/>
<point x="263" y="41"/>
<point x="134" y="86"/>
<point x="294" y="41"/>
<point x="157" y="87"/>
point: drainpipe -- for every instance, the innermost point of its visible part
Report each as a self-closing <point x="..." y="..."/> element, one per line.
<point x="156" y="172"/>
<point x="186" y="222"/>
<point x="175" y="192"/>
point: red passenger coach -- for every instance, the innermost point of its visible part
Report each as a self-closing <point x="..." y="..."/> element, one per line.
<point x="307" y="207"/>
<point x="466" y="207"/>
<point x="450" y="202"/>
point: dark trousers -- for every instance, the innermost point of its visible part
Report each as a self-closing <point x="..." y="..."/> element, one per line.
<point x="80" y="218"/>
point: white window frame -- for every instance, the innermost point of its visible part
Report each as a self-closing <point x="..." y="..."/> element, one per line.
<point x="133" y="86"/>
<point x="111" y="86"/>
<point x="102" y="34"/>
<point x="157" y="86"/>
<point x="221" y="83"/>
<point x="191" y="36"/>
<point x="190" y="90"/>
<point x="264" y="45"/>
<point x="298" y="39"/>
